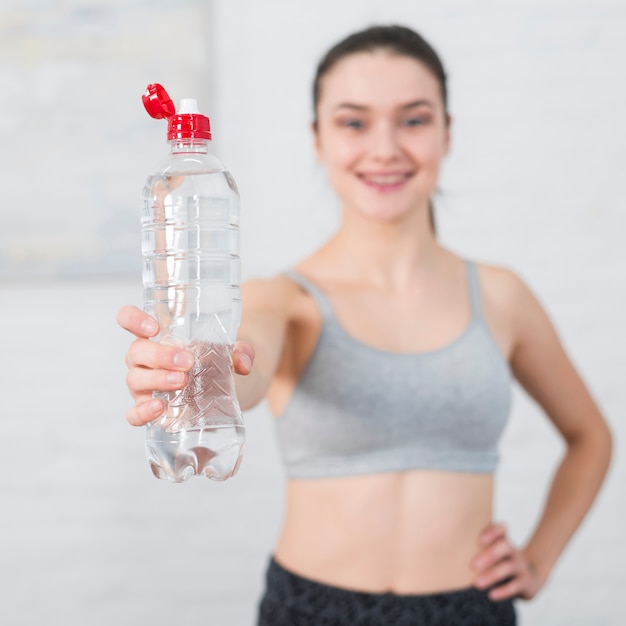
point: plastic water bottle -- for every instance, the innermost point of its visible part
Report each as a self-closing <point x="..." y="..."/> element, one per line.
<point x="191" y="276"/>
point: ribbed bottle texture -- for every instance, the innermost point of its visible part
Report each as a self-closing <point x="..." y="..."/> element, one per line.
<point x="191" y="276"/>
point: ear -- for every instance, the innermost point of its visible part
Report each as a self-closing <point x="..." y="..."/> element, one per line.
<point x="447" y="137"/>
<point x="316" y="140"/>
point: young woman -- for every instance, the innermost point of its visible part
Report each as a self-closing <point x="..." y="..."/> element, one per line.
<point x="387" y="361"/>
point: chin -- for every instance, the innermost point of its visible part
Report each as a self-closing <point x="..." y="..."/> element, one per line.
<point x="387" y="214"/>
<point x="385" y="217"/>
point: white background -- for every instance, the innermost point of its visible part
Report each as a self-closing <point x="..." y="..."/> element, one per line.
<point x="534" y="182"/>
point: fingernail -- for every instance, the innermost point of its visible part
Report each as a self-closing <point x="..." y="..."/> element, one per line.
<point x="175" y="378"/>
<point x="183" y="359"/>
<point x="246" y="361"/>
<point x="149" y="327"/>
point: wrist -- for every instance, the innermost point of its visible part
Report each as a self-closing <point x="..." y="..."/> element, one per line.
<point x="538" y="567"/>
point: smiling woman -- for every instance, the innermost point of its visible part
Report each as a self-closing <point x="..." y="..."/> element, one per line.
<point x="404" y="45"/>
<point x="387" y="360"/>
<point x="381" y="127"/>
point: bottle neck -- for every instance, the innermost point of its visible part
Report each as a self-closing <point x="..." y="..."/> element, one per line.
<point x="193" y="146"/>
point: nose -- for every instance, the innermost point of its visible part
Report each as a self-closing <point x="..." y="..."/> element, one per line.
<point x="384" y="142"/>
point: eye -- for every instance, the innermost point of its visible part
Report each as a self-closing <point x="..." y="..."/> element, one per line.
<point x="353" y="123"/>
<point x="413" y="122"/>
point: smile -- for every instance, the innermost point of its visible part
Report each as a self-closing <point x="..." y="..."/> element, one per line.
<point x="385" y="182"/>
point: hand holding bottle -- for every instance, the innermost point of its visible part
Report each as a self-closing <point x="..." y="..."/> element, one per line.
<point x="159" y="367"/>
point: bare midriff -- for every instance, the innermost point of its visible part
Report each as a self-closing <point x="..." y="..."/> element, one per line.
<point x="407" y="533"/>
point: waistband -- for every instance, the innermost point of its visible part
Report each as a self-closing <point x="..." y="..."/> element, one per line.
<point x="293" y="599"/>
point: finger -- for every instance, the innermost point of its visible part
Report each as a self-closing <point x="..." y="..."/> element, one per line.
<point x="137" y="322"/>
<point x="141" y="414"/>
<point x="495" y="552"/>
<point x="141" y="380"/>
<point x="497" y="573"/>
<point x="243" y="358"/>
<point x="492" y="533"/>
<point x="140" y="396"/>
<point x="145" y="353"/>
<point x="511" y="589"/>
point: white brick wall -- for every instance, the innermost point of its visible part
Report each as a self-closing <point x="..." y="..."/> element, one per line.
<point x="534" y="181"/>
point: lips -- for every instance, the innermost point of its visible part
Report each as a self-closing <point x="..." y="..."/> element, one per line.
<point x="385" y="181"/>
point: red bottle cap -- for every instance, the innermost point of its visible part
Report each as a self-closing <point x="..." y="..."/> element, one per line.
<point x="157" y="102"/>
<point x="184" y="125"/>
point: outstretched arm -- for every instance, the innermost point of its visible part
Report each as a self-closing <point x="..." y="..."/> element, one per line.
<point x="264" y="324"/>
<point x="157" y="367"/>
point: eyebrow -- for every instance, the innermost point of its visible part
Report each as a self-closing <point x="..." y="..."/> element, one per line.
<point x="409" y="105"/>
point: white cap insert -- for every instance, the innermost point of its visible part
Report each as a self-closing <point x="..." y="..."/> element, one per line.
<point x="188" y="106"/>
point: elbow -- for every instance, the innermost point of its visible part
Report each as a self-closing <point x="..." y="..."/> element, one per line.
<point x="603" y="446"/>
<point x="597" y="442"/>
<point x="607" y="443"/>
<point x="604" y="441"/>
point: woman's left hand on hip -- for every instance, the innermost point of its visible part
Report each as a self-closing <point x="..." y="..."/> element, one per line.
<point x="502" y="568"/>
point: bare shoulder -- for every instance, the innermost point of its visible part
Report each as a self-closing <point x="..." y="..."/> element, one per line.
<point x="513" y="312"/>
<point x="507" y="293"/>
<point x="534" y="339"/>
<point x="502" y="285"/>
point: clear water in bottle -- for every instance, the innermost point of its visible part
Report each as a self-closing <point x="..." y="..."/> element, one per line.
<point x="201" y="432"/>
<point x="191" y="276"/>
<point x="214" y="452"/>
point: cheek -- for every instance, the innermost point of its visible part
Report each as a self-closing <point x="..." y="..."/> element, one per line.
<point x="431" y="153"/>
<point x="334" y="151"/>
<point x="339" y="153"/>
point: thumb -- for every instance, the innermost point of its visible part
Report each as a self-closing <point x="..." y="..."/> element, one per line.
<point x="243" y="358"/>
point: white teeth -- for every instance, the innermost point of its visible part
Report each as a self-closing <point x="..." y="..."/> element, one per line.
<point x="385" y="179"/>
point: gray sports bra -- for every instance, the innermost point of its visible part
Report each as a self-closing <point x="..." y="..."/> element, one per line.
<point x="360" y="410"/>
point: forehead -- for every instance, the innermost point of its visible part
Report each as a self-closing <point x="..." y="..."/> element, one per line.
<point x="379" y="78"/>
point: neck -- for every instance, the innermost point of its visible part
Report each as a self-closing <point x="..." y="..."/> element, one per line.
<point x="385" y="253"/>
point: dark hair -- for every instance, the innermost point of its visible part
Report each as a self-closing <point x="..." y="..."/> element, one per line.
<point x="396" y="39"/>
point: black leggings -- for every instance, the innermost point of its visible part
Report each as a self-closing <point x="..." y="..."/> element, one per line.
<point x="291" y="600"/>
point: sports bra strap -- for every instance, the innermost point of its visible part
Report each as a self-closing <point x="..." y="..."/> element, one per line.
<point x="474" y="289"/>
<point x="317" y="294"/>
